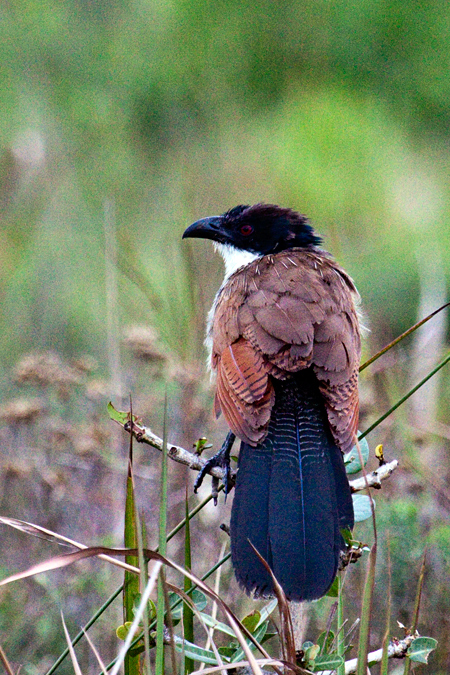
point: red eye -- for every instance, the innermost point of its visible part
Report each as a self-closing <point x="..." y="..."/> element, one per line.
<point x="246" y="230"/>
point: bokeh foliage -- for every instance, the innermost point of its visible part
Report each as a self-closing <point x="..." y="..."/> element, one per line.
<point x="177" y="109"/>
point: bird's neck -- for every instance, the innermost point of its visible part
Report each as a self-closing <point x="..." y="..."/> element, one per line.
<point x="234" y="258"/>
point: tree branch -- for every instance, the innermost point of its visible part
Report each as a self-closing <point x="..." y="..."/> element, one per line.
<point x="145" y="435"/>
<point x="196" y="463"/>
<point x="396" y="649"/>
<point x="374" y="478"/>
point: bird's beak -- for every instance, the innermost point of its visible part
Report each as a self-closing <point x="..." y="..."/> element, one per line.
<point x="206" y="228"/>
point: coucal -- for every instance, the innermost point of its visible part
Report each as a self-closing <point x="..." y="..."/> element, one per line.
<point x="284" y="340"/>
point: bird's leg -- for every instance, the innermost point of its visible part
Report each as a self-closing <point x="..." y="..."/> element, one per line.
<point x="221" y="459"/>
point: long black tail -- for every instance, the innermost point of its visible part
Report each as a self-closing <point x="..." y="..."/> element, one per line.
<point x="292" y="498"/>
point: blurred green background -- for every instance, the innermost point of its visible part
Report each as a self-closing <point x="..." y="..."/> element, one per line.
<point x="121" y="123"/>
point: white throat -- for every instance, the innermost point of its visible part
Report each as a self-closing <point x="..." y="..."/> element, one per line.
<point x="234" y="258"/>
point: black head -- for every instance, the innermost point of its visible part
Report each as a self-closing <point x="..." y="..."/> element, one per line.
<point x="260" y="229"/>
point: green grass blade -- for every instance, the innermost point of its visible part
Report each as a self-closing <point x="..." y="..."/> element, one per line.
<point x="366" y="608"/>
<point x="111" y="599"/>
<point x="84" y="630"/>
<point x="131" y="581"/>
<point x="366" y="612"/>
<point x="188" y="614"/>
<point x="191" y="514"/>
<point x="179" y="601"/>
<point x="340" y="638"/>
<point x="159" y="660"/>
<point x="143" y="566"/>
<point x="407" y="668"/>
<point x="384" y="668"/>
<point x="405" y="398"/>
<point x="401" y="337"/>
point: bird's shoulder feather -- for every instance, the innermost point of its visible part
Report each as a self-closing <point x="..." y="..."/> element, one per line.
<point x="278" y="315"/>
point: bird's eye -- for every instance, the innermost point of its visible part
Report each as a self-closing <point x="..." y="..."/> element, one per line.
<point x="246" y="230"/>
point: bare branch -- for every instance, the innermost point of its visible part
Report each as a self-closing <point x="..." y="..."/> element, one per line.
<point x="196" y="463"/>
<point x="396" y="649"/>
<point x="177" y="453"/>
<point x="374" y="478"/>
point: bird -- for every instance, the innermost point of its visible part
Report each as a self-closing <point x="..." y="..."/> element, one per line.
<point x="284" y="345"/>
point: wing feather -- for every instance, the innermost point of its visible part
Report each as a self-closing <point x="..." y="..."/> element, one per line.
<point x="276" y="316"/>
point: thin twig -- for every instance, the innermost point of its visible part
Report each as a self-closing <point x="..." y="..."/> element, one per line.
<point x="374" y="478"/>
<point x="401" y="337"/>
<point x="5" y="663"/>
<point x="196" y="463"/>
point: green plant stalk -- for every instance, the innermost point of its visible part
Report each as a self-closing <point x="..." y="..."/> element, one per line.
<point x="401" y="337"/>
<point x="366" y="611"/>
<point x="405" y="398"/>
<point x="179" y="601"/>
<point x="143" y="566"/>
<point x="188" y="614"/>
<point x="191" y="514"/>
<point x="340" y="645"/>
<point x="131" y="581"/>
<point x="85" y="628"/>
<point x="384" y="668"/>
<point x="159" y="660"/>
<point x="111" y="599"/>
<point x="407" y="668"/>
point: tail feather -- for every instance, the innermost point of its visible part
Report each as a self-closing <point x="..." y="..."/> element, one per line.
<point x="292" y="498"/>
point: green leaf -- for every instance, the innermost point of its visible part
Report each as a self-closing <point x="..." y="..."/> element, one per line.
<point x="258" y="635"/>
<point x="118" y="415"/>
<point x="311" y="654"/>
<point x="333" y="591"/>
<point x="122" y="631"/>
<point x="197" y="653"/>
<point x="217" y="625"/>
<point x="201" y="444"/>
<point x="266" y="611"/>
<point x="151" y="607"/>
<point x="347" y="536"/>
<point x="199" y="599"/>
<point x="178" y="611"/>
<point x="421" y="648"/>
<point x="361" y="507"/>
<point x="228" y="652"/>
<point x="327" y="662"/>
<point x="268" y="636"/>
<point x="325" y="640"/>
<point x="351" y="459"/>
<point x="306" y="645"/>
<point x="251" y="621"/>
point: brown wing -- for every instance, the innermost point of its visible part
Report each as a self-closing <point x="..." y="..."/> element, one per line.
<point x="279" y="315"/>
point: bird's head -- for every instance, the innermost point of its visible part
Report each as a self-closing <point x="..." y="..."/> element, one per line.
<point x="260" y="229"/>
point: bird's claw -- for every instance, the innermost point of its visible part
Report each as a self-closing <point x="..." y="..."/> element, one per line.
<point x="222" y="460"/>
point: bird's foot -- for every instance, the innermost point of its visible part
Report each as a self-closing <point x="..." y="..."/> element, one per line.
<point x="222" y="460"/>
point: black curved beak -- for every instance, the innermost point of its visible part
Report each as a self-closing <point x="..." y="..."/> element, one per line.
<point x="206" y="228"/>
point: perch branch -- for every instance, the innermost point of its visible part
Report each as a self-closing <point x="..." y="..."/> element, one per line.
<point x="196" y="463"/>
<point x="176" y="452"/>
<point x="374" y="478"/>
<point x="396" y="649"/>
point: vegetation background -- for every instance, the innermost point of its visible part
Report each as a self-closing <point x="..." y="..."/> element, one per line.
<point x="122" y="122"/>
